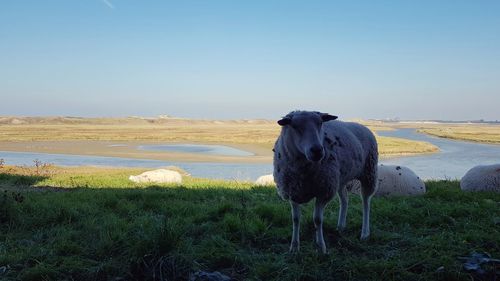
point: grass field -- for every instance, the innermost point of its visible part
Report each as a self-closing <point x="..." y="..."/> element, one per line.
<point x="476" y="133"/>
<point x="93" y="224"/>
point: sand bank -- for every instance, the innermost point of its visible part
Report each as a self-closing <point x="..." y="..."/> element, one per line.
<point x="128" y="149"/>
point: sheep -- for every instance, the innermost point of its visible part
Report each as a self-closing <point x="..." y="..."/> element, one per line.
<point x="314" y="157"/>
<point x="482" y="178"/>
<point x="394" y="180"/>
<point x="158" y="176"/>
<point x="265" y="180"/>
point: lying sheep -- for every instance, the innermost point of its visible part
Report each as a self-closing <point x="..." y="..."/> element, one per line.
<point x="158" y="176"/>
<point x="265" y="180"/>
<point x="394" y="180"/>
<point x="482" y="178"/>
<point x="315" y="158"/>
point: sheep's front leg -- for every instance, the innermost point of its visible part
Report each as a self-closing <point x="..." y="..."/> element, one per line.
<point x="318" y="224"/>
<point x="294" y="246"/>
<point x="344" y="201"/>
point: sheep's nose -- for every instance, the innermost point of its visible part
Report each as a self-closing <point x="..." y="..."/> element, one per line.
<point x="316" y="153"/>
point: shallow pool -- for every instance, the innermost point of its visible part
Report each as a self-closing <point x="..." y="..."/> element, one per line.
<point x="197" y="148"/>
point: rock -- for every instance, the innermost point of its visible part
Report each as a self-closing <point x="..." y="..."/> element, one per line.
<point x="394" y="181"/>
<point x="482" y="178"/>
<point x="265" y="180"/>
<point x="158" y="176"/>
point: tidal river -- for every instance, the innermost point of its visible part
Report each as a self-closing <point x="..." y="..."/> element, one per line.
<point x="453" y="160"/>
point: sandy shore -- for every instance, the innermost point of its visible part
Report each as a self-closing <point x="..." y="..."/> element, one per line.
<point x="128" y="149"/>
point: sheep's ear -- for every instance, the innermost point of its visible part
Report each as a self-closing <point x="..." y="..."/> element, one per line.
<point x="285" y="121"/>
<point x="327" y="117"/>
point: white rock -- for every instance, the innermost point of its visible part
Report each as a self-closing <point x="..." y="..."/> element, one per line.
<point x="265" y="180"/>
<point x="482" y="178"/>
<point x="394" y="181"/>
<point x="158" y="176"/>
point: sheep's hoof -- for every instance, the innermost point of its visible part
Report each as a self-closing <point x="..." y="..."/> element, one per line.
<point x="320" y="245"/>
<point x="294" y="248"/>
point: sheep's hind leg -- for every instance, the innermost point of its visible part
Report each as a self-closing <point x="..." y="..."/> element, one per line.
<point x="344" y="201"/>
<point x="318" y="224"/>
<point x="367" y="190"/>
<point x="294" y="246"/>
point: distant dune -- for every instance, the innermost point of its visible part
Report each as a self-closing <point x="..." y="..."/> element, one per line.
<point x="132" y="120"/>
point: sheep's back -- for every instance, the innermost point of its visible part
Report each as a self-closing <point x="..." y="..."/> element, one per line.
<point x="482" y="178"/>
<point x="352" y="132"/>
<point x="354" y="146"/>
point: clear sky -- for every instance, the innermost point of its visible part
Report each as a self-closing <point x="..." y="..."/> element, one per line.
<point x="251" y="59"/>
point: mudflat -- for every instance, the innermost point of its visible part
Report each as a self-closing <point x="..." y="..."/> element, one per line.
<point x="129" y="149"/>
<point x="100" y="136"/>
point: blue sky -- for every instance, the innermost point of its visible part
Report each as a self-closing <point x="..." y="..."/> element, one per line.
<point x="251" y="59"/>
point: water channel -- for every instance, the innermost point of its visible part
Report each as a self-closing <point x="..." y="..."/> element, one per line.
<point x="451" y="162"/>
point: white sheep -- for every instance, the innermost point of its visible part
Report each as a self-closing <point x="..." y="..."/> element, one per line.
<point x="315" y="158"/>
<point x="265" y="180"/>
<point x="394" y="180"/>
<point x="158" y="176"/>
<point x="482" y="178"/>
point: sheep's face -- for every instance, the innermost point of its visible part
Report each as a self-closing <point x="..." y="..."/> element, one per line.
<point x="306" y="132"/>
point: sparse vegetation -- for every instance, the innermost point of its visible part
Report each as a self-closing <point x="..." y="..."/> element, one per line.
<point x="389" y="146"/>
<point x="476" y="133"/>
<point x="256" y="132"/>
<point x="41" y="168"/>
<point x="103" y="227"/>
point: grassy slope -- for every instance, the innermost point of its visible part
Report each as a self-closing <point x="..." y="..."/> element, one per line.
<point x="101" y="226"/>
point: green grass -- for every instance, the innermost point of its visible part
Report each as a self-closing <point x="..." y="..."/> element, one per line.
<point x="100" y="226"/>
